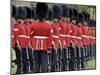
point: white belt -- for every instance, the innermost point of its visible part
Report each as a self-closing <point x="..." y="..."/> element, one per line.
<point x="12" y="36"/>
<point x="23" y="36"/>
<point x="43" y="37"/>
<point x="79" y="37"/>
<point x="67" y="35"/>
<point x="55" y="36"/>
<point x="62" y="35"/>
<point x="73" y="36"/>
<point x="85" y="36"/>
<point x="15" y="29"/>
<point x="92" y="37"/>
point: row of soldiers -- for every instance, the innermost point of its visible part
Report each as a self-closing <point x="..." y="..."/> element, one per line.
<point x="52" y="39"/>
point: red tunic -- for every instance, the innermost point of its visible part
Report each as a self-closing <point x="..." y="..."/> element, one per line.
<point x="27" y="30"/>
<point x="90" y="36"/>
<point x="67" y="34"/>
<point x="79" y="34"/>
<point x="62" y="31"/>
<point x="84" y="35"/>
<point x="20" y="35"/>
<point x="55" y="34"/>
<point x="73" y="34"/>
<point x="13" y="33"/>
<point x="12" y="36"/>
<point x="40" y="33"/>
<point x="93" y="35"/>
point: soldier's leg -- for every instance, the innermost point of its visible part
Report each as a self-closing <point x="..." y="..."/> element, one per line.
<point x="72" y="59"/>
<point x="30" y="59"/>
<point x="77" y="59"/>
<point x="64" y="59"/>
<point x="94" y="50"/>
<point x="37" y="61"/>
<point x="44" y="61"/>
<point x="82" y="58"/>
<point x="24" y="60"/>
<point x="18" y="60"/>
<point x="88" y="50"/>
<point x="91" y="49"/>
<point x="49" y="59"/>
<point x="59" y="59"/>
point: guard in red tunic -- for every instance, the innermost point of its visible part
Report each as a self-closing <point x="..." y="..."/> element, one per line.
<point x="55" y="39"/>
<point x="67" y="36"/>
<point x="41" y="32"/>
<point x="85" y="37"/>
<point x="62" y="33"/>
<point x="73" y="43"/>
<point x="49" y="20"/>
<point x="14" y="13"/>
<point x="90" y="40"/>
<point x="93" y="38"/>
<point x="27" y="24"/>
<point x="13" y="37"/>
<point x="21" y="39"/>
<point x="80" y="53"/>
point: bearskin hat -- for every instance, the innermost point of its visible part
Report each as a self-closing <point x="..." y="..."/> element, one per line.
<point x="14" y="11"/>
<point x="91" y="22"/>
<point x="75" y="14"/>
<point x="85" y="15"/>
<point x="64" y="9"/>
<point x="94" y="23"/>
<point x="41" y="10"/>
<point x="88" y="17"/>
<point x="70" y="13"/>
<point x="80" y="18"/>
<point x="50" y="15"/>
<point x="56" y="11"/>
<point x="28" y="11"/>
<point x="33" y="13"/>
<point x="21" y="13"/>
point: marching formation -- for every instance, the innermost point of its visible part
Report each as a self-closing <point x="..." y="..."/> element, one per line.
<point x="52" y="39"/>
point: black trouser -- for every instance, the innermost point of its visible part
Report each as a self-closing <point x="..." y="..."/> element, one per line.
<point x="18" y="60"/>
<point x="71" y="58"/>
<point x="30" y="59"/>
<point x="78" y="58"/>
<point x="88" y="52"/>
<point x="54" y="60"/>
<point x="59" y="59"/>
<point x="41" y="61"/>
<point x="94" y="50"/>
<point x="49" y="59"/>
<point x="91" y="50"/>
<point x="82" y="58"/>
<point x="64" y="59"/>
<point x="24" y="61"/>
